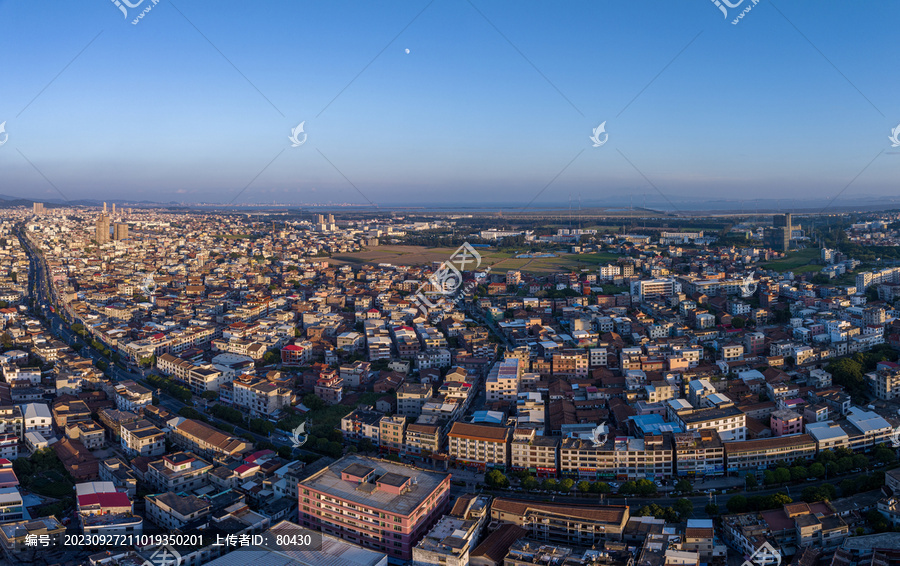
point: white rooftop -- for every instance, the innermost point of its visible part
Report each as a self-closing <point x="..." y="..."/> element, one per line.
<point x="825" y="431"/>
<point x="867" y="421"/>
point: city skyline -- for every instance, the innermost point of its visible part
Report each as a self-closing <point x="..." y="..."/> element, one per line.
<point x="486" y="106"/>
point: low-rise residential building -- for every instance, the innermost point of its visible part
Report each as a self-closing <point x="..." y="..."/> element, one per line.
<point x="391" y="433"/>
<point x="362" y="424"/>
<point x="454" y="536"/>
<point x="205" y="440"/>
<point x="181" y="471"/>
<point x="411" y="397"/>
<point x="130" y="396"/>
<point x="580" y="525"/>
<point x="260" y="397"/>
<point x="37" y="418"/>
<point x="120" y="474"/>
<point x="11" y="506"/>
<point x="104" y="511"/>
<point x="170" y="511"/>
<point x="141" y="438"/>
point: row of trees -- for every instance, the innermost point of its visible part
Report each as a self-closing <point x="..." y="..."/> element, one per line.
<point x="680" y="511"/>
<point x="827" y="462"/>
<point x="497" y="479"/>
<point x="177" y="391"/>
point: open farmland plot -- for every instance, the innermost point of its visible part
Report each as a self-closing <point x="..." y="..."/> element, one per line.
<point x="500" y="262"/>
<point x="800" y="261"/>
<point x="412" y="256"/>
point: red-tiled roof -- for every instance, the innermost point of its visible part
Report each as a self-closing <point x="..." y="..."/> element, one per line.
<point x="110" y="499"/>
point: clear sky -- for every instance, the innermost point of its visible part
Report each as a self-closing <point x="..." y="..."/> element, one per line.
<point x="491" y="105"/>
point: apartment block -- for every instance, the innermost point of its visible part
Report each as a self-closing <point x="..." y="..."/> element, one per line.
<point x="376" y="504"/>
<point x="534" y="453"/>
<point x="752" y="455"/>
<point x="258" y="396"/>
<point x="411" y="397"/>
<point x="479" y="445"/>
<point x="502" y="382"/>
<point x="622" y="458"/>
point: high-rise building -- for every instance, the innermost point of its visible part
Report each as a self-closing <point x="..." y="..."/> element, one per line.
<point x="782" y="220"/>
<point x="101" y="233"/>
<point x="121" y="231"/>
<point x="104" y="208"/>
<point x="114" y="208"/>
<point x="38" y="208"/>
<point x="779" y="236"/>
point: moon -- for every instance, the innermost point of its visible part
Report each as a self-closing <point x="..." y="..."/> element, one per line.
<point x="407" y="51"/>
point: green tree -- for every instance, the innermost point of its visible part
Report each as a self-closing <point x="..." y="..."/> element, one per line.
<point x="566" y="485"/>
<point x="751" y="481"/>
<point x="313" y="403"/>
<point x="601" y="487"/>
<point x="684" y="486"/>
<point x="711" y="509"/>
<point x="737" y="504"/>
<point x="645" y="487"/>
<point x="849" y="373"/>
<point x="884" y="455"/>
<point x="529" y="483"/>
<point x="817" y="470"/>
<point x="782" y="475"/>
<point x="271" y="357"/>
<point x="228" y="414"/>
<point x="584" y="486"/>
<point x="799" y="473"/>
<point x="261" y="426"/>
<point x="550" y="484"/>
<point x="191" y="413"/>
<point x="780" y="499"/>
<point x="876" y="520"/>
<point x="684" y="507"/>
<point x="848" y="487"/>
<point x="496" y="480"/>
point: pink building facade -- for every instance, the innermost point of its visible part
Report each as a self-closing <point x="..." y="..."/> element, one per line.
<point x="785" y="422"/>
<point x="376" y="504"/>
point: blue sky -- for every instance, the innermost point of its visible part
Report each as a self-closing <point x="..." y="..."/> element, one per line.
<point x="468" y="117"/>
